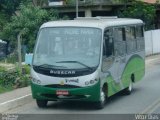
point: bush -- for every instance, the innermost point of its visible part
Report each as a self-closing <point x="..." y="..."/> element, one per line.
<point x="7" y="78"/>
<point x="12" y="79"/>
<point x="2" y="69"/>
<point x="26" y="69"/>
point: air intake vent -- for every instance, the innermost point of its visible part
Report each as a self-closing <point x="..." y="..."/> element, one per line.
<point x="62" y="86"/>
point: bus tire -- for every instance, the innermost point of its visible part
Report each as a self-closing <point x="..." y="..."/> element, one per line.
<point x="41" y="103"/>
<point x="129" y="89"/>
<point x="100" y="104"/>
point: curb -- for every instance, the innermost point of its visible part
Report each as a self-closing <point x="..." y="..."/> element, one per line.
<point x="15" y="103"/>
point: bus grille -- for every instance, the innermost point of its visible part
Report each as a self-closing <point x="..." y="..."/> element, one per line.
<point x="71" y="97"/>
<point x="62" y="86"/>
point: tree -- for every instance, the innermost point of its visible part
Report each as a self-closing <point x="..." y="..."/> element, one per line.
<point x="40" y="3"/>
<point x="3" y="20"/>
<point x="7" y="9"/>
<point x="140" y="10"/>
<point x="24" y="26"/>
<point x="29" y="18"/>
<point x="10" y="7"/>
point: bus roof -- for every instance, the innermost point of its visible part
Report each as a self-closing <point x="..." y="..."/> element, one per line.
<point x="93" y="22"/>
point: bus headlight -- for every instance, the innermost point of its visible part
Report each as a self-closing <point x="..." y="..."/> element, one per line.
<point x="87" y="83"/>
<point x="36" y="81"/>
<point x="91" y="82"/>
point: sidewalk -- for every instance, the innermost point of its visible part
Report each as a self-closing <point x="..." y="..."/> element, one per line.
<point x="15" y="98"/>
<point x="152" y="58"/>
<point x="14" y="94"/>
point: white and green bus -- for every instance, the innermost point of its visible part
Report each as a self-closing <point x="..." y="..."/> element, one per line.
<point x="87" y="59"/>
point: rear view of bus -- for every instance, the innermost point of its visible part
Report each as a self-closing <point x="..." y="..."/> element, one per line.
<point x="68" y="62"/>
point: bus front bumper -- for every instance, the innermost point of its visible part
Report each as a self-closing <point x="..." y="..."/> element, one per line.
<point x="91" y="93"/>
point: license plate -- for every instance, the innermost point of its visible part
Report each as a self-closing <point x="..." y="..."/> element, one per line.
<point x="62" y="92"/>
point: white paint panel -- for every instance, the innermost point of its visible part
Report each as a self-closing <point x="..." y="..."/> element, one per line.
<point x="152" y="42"/>
<point x="47" y="80"/>
<point x="156" y="41"/>
<point x="148" y="42"/>
<point x="55" y="3"/>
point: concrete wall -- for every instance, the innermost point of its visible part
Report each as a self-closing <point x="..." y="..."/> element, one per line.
<point x="152" y="42"/>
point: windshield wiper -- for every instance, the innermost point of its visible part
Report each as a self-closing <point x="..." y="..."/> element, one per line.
<point x="76" y="62"/>
<point x="49" y="66"/>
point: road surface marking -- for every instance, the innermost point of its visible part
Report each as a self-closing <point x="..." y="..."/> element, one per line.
<point x="151" y="108"/>
<point x="152" y="60"/>
<point x="14" y="99"/>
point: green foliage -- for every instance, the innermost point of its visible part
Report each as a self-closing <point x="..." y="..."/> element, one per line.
<point x="3" y="20"/>
<point x="28" y="20"/>
<point x="40" y="2"/>
<point x="12" y="58"/>
<point x="2" y="69"/>
<point x="3" y="89"/>
<point x="70" y="2"/>
<point x="7" y="78"/>
<point x="12" y="79"/>
<point x="9" y="6"/>
<point x="26" y="69"/>
<point x="140" y="10"/>
<point x="7" y="9"/>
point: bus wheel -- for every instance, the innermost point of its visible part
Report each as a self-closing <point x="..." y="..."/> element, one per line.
<point x="41" y="103"/>
<point x="129" y="89"/>
<point x="100" y="104"/>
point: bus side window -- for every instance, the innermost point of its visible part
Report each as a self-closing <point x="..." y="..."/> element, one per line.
<point x="140" y="37"/>
<point x="131" y="39"/>
<point x="107" y="50"/>
<point x="139" y="31"/>
<point x="119" y="42"/>
<point x="108" y="43"/>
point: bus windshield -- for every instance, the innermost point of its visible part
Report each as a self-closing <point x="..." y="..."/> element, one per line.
<point x="68" y="47"/>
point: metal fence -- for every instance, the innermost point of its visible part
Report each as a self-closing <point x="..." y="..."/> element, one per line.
<point x="152" y="42"/>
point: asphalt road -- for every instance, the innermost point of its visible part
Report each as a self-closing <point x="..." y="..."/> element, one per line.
<point x="144" y="98"/>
